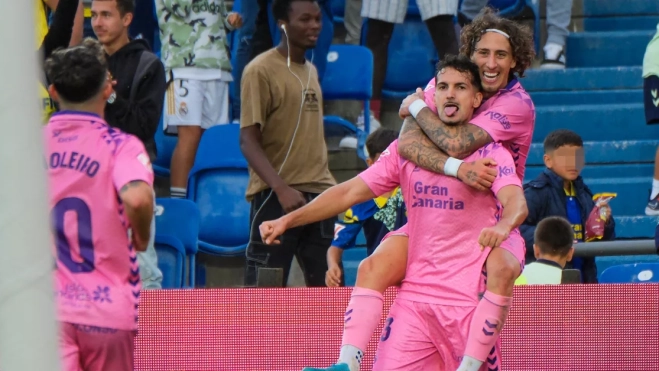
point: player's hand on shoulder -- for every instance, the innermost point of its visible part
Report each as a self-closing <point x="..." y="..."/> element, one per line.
<point x="493" y="236"/>
<point x="479" y="174"/>
<point x="404" y="110"/>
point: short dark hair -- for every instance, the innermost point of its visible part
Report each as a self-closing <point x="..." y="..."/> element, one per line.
<point x="379" y="140"/>
<point x="78" y="73"/>
<point x="562" y="137"/>
<point x="124" y="6"/>
<point x="280" y="8"/>
<point x="461" y="64"/>
<point x="554" y="236"/>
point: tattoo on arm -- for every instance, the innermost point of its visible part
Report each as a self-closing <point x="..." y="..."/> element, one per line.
<point x="131" y="184"/>
<point x="458" y="141"/>
<point x="415" y="146"/>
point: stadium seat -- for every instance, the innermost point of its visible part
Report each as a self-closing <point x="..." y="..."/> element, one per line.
<point x="179" y="219"/>
<point x="217" y="184"/>
<point x="412" y="58"/>
<point x="631" y="273"/>
<point x="338" y="8"/>
<point x="165" y="145"/>
<point x="354" y="64"/>
<point x="171" y="260"/>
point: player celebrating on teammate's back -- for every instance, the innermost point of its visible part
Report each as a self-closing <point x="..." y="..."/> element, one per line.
<point x="100" y="194"/>
<point x="429" y="321"/>
<point x="501" y="48"/>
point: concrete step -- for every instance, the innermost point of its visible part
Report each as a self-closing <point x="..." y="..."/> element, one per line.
<point x="605" y="49"/>
<point x="579" y="79"/>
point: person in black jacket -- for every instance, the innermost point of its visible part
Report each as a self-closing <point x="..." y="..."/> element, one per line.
<point x="560" y="191"/>
<point x="136" y="104"/>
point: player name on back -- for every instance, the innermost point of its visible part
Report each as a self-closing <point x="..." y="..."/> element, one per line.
<point x="74" y="161"/>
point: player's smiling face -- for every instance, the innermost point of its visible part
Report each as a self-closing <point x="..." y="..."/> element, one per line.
<point x="494" y="57"/>
<point x="455" y="96"/>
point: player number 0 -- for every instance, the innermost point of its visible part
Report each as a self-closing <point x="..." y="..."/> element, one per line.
<point x="84" y="221"/>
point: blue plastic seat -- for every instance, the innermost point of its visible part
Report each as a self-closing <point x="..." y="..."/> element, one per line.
<point x="631" y="273"/>
<point x="171" y="260"/>
<point x="411" y="58"/>
<point x="348" y="76"/>
<point x="217" y="184"/>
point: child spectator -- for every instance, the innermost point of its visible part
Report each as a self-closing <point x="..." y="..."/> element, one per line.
<point x="377" y="217"/>
<point x="552" y="250"/>
<point x="560" y="191"/>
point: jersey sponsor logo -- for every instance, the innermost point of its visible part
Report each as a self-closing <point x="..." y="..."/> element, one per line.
<point x="435" y="197"/>
<point x="337" y="229"/>
<point x="506" y="171"/>
<point x="500" y="118"/>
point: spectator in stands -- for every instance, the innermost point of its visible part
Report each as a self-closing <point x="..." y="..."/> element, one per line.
<point x="194" y="49"/>
<point x="381" y="17"/>
<point x="43" y="7"/>
<point x="559" y="13"/>
<point x="552" y="250"/>
<point x="259" y="39"/>
<point x="352" y="20"/>
<point x="66" y="29"/>
<point x="377" y="217"/>
<point x="651" y="93"/>
<point x="560" y="191"/>
<point x="135" y="105"/>
<point x="282" y="138"/>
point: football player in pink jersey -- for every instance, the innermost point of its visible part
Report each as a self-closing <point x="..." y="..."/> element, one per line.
<point x="101" y="200"/>
<point x="428" y="324"/>
<point x="503" y="50"/>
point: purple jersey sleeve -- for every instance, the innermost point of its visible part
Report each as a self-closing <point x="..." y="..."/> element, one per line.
<point x="384" y="175"/>
<point x="508" y="119"/>
<point x="131" y="163"/>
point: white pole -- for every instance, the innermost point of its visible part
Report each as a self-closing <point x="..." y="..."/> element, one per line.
<point x="28" y="339"/>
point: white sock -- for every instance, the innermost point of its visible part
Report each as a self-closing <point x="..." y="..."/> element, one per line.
<point x="351" y="356"/>
<point x="655" y="189"/>
<point x="552" y="50"/>
<point x="469" y="364"/>
<point x="177" y="192"/>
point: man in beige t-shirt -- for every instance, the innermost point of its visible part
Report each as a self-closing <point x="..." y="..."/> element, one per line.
<point x="282" y="138"/>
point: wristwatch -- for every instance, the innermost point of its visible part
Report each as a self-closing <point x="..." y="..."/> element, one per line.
<point x="112" y="98"/>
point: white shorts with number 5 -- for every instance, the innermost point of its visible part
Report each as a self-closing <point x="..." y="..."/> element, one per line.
<point x="196" y="103"/>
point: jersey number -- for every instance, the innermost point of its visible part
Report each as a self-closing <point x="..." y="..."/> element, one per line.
<point x="84" y="221"/>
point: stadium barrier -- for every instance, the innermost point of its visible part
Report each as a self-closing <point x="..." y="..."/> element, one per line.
<point x="550" y="328"/>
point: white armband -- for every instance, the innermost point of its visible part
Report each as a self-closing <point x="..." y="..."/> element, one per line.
<point x="451" y="167"/>
<point x="416" y="107"/>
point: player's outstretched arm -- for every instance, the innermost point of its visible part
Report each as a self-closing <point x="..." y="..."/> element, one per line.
<point x="137" y="198"/>
<point x="414" y="145"/>
<point x="328" y="204"/>
<point x="514" y="213"/>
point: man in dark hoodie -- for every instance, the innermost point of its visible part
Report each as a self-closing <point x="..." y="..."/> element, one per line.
<point x="136" y="104"/>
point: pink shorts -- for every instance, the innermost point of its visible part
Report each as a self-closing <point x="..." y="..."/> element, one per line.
<point x="427" y="337"/>
<point x="91" y="348"/>
<point x="514" y="246"/>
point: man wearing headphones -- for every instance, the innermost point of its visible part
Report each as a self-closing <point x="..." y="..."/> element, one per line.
<point x="282" y="138"/>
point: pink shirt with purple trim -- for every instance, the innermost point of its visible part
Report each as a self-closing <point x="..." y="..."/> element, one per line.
<point x="508" y="116"/>
<point x="97" y="281"/>
<point x="445" y="218"/>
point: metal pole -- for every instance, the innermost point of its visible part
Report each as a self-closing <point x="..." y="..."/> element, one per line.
<point x="28" y="330"/>
<point x="613" y="248"/>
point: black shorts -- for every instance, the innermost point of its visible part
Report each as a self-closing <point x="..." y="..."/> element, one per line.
<point x="651" y="99"/>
